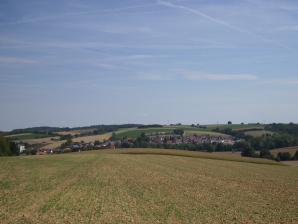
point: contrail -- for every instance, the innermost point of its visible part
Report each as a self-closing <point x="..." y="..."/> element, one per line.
<point x="220" y="22"/>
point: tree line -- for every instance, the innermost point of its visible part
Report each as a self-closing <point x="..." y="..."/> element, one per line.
<point x="8" y="148"/>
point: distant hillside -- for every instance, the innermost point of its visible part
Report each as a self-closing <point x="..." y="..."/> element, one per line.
<point x="48" y="129"/>
<point x="42" y="129"/>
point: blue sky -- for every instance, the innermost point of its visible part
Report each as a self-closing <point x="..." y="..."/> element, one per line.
<point x="75" y="62"/>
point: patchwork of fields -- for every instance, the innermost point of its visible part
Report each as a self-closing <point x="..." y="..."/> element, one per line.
<point x="109" y="187"/>
<point x="54" y="142"/>
<point x="134" y="133"/>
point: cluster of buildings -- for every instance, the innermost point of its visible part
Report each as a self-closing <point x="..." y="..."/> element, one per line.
<point x="157" y="139"/>
<point x="191" y="139"/>
<point x="209" y="139"/>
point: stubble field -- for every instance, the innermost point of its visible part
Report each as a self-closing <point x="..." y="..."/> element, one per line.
<point x="109" y="187"/>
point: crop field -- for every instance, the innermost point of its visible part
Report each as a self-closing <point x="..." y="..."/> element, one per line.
<point x="93" y="138"/>
<point x="41" y="140"/>
<point x="258" y="133"/>
<point x="53" y="144"/>
<point x="76" y="132"/>
<point x="199" y="132"/>
<point x="26" y="136"/>
<point x="236" y="127"/>
<point x="291" y="150"/>
<point x="140" y="186"/>
<point x="134" y="133"/>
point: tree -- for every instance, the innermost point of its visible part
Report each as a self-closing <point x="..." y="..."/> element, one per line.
<point x="114" y="137"/>
<point x="295" y="157"/>
<point x="69" y="141"/>
<point x="245" y="148"/>
<point x="248" y="152"/>
<point x="142" y="138"/>
<point x="178" y="132"/>
<point x="8" y="148"/>
<point x="65" y="137"/>
<point x="284" y="156"/>
<point x="4" y="147"/>
<point x="229" y="122"/>
<point x="14" y="149"/>
<point x="265" y="153"/>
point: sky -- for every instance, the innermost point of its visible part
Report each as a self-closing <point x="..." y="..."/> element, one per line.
<point x="75" y="63"/>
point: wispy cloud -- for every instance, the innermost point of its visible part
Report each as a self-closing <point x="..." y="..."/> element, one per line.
<point x="275" y="4"/>
<point x="18" y="44"/>
<point x="292" y="28"/>
<point x="104" y="65"/>
<point x="220" y="77"/>
<point x="154" y="76"/>
<point x="16" y="60"/>
<point x="281" y="82"/>
<point x="195" y="76"/>
<point x="220" y="22"/>
<point x="136" y="57"/>
<point x="54" y="17"/>
<point x="199" y="13"/>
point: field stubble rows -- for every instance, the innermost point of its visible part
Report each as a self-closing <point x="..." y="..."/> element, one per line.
<point x="104" y="187"/>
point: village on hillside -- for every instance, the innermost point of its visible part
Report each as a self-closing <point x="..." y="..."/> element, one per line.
<point x="251" y="140"/>
<point x="111" y="143"/>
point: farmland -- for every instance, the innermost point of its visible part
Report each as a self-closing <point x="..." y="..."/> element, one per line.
<point x="26" y="136"/>
<point x="131" y="133"/>
<point x="76" y="132"/>
<point x="113" y="187"/>
<point x="93" y="138"/>
<point x="291" y="150"/>
<point x="53" y="141"/>
<point x="136" y="132"/>
<point x="236" y="127"/>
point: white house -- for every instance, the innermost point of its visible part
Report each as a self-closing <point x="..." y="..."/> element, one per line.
<point x="22" y="148"/>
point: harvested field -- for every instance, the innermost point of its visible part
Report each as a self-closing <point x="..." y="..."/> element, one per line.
<point x="228" y="156"/>
<point x="291" y="150"/>
<point x="47" y="140"/>
<point x="109" y="187"/>
<point x="199" y="132"/>
<point x="54" y="145"/>
<point x="291" y="163"/>
<point x="93" y="138"/>
<point x="228" y="153"/>
<point x="76" y="132"/>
